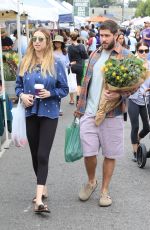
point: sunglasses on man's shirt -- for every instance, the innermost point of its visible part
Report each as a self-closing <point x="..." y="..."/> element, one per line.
<point x="143" y="51"/>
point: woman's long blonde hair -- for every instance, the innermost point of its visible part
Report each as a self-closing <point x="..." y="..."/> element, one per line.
<point x="30" y="59"/>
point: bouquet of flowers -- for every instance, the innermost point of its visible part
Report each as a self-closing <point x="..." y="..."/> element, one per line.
<point x="12" y="56"/>
<point x="123" y="76"/>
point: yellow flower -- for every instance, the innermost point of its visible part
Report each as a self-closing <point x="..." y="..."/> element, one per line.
<point x="114" y="74"/>
<point x="117" y="77"/>
<point x="109" y="64"/>
<point x="122" y="67"/>
<point x="106" y="69"/>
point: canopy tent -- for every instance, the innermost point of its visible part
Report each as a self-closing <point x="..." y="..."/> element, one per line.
<point x="97" y="19"/>
<point x="8" y="5"/>
<point x="8" y="11"/>
<point x="68" y="6"/>
<point x="55" y="8"/>
<point x="61" y="8"/>
<point x="43" y="14"/>
<point x="135" y="22"/>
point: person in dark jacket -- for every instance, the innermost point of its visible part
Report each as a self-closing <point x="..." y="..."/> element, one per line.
<point x="77" y="55"/>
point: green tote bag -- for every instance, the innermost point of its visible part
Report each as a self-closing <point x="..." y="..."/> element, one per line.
<point x="73" y="149"/>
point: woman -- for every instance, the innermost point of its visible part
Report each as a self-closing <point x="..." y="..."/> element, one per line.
<point x="91" y="42"/>
<point x="61" y="53"/>
<point x="40" y="67"/>
<point x="136" y="105"/>
<point x="133" y="42"/>
<point x="138" y="36"/>
<point x="77" y="54"/>
<point x="121" y="40"/>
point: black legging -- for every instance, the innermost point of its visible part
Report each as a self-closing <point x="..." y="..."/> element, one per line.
<point x="40" y="134"/>
<point x="134" y="110"/>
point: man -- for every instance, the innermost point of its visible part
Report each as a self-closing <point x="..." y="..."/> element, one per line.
<point x="84" y="34"/>
<point x="6" y="41"/>
<point x="23" y="41"/>
<point x="146" y="33"/>
<point x="108" y="135"/>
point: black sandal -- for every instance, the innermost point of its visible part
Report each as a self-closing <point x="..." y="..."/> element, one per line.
<point x="44" y="197"/>
<point x="41" y="209"/>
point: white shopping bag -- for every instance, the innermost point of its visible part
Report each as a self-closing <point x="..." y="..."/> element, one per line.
<point x="72" y="82"/>
<point x="19" y="126"/>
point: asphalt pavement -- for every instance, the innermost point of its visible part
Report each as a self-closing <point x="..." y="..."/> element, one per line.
<point x="129" y="189"/>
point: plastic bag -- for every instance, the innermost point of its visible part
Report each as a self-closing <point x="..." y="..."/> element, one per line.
<point x="19" y="137"/>
<point x="73" y="148"/>
<point x="72" y="82"/>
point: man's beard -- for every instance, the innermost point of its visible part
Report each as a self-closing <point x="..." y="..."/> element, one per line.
<point x="110" y="46"/>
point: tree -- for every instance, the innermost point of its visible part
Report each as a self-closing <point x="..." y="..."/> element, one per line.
<point x="143" y="9"/>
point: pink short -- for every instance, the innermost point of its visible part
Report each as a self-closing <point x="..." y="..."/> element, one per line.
<point x="109" y="135"/>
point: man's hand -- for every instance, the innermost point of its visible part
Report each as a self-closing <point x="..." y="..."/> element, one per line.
<point x="109" y="96"/>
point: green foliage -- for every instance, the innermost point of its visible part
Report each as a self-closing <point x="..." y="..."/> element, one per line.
<point x="125" y="72"/>
<point x="10" y="69"/>
<point x="143" y="9"/>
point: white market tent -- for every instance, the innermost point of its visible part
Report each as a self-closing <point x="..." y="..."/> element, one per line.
<point x="68" y="6"/>
<point x="46" y="9"/>
<point x="62" y="9"/>
<point x="136" y="21"/>
<point x="43" y="14"/>
<point x="8" y="11"/>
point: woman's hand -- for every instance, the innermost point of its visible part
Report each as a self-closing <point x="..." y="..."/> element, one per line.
<point x="27" y="99"/>
<point x="44" y="93"/>
<point x="109" y="96"/>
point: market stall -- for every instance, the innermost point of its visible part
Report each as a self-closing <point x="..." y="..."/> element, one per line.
<point x="8" y="12"/>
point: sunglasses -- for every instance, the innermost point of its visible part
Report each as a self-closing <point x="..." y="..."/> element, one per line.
<point x="143" y="51"/>
<point x="40" y="39"/>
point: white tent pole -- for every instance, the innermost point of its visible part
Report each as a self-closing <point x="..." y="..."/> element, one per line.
<point x="3" y="87"/>
<point x="18" y="30"/>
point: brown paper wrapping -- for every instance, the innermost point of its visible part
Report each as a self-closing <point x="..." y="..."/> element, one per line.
<point x="106" y="106"/>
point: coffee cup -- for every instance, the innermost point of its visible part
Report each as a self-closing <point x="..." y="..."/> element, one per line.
<point x="37" y="88"/>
